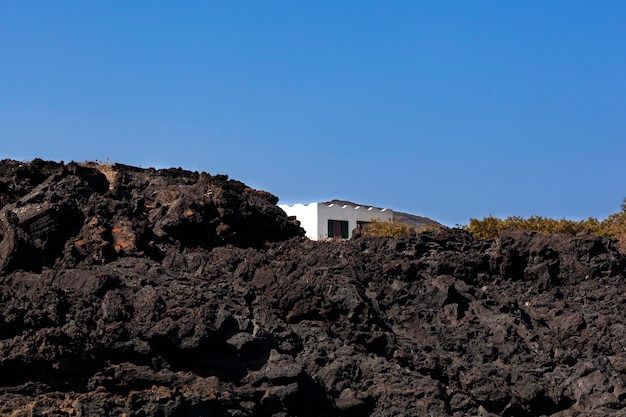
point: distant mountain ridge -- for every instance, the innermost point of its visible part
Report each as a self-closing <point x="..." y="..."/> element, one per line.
<point x="418" y="222"/>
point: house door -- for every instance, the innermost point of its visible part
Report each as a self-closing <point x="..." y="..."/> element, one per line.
<point x="338" y="229"/>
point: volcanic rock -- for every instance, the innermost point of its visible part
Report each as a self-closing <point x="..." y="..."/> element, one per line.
<point x="128" y="291"/>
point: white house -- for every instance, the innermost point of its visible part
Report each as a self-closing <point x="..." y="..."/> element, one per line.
<point x="323" y="221"/>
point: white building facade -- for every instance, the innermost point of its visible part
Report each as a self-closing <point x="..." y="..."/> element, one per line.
<point x="323" y="221"/>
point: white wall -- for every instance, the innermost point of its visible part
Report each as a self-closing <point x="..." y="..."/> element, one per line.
<point x="306" y="215"/>
<point x="314" y="217"/>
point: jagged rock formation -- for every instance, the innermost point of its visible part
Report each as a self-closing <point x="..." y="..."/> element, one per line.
<point x="174" y="293"/>
<point x="65" y="215"/>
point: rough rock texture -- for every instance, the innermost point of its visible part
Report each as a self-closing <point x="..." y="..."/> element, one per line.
<point x="153" y="293"/>
<point x="56" y="215"/>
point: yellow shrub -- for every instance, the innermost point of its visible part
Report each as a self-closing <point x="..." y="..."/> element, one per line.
<point x="388" y="228"/>
<point x="613" y="226"/>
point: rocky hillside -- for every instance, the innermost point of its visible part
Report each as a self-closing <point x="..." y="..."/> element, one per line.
<point x="129" y="291"/>
<point x="56" y="215"/>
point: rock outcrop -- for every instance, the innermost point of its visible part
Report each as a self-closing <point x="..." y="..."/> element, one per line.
<point x="144" y="292"/>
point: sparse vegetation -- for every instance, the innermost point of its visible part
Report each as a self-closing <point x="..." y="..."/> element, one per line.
<point x="389" y="228"/>
<point x="613" y="226"/>
<point x="394" y="228"/>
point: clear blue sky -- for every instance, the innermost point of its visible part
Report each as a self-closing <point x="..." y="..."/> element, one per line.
<point x="447" y="109"/>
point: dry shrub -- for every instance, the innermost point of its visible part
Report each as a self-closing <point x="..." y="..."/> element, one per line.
<point x="389" y="228"/>
<point x="614" y="226"/>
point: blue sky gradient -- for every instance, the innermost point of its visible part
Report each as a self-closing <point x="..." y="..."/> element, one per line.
<point x="450" y="109"/>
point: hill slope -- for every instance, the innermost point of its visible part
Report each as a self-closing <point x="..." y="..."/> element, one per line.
<point x="418" y="222"/>
<point x="144" y="292"/>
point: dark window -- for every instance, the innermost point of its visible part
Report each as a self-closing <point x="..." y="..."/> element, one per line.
<point x="362" y="226"/>
<point x="338" y="229"/>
